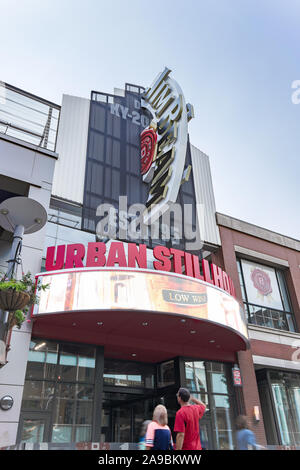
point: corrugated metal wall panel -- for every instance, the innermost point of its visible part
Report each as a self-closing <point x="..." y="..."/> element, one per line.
<point x="209" y="231"/>
<point x="68" y="181"/>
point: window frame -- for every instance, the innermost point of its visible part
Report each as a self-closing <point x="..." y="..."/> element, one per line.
<point x="248" y="304"/>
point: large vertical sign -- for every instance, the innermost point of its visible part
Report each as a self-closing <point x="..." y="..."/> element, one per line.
<point x="138" y="155"/>
<point x="163" y="165"/>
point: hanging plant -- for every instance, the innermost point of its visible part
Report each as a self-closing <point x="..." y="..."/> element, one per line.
<point x="17" y="296"/>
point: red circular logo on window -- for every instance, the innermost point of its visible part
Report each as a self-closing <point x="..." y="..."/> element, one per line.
<point x="148" y="148"/>
<point x="261" y="281"/>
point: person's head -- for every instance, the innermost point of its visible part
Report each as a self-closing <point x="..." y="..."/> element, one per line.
<point x="241" y="422"/>
<point x="160" y="415"/>
<point x="144" y="426"/>
<point x="183" y="396"/>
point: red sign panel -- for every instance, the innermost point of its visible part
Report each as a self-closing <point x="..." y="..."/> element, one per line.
<point x="237" y="378"/>
<point x="148" y="149"/>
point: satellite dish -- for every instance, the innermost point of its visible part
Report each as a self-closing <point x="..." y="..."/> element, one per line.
<point x="22" y="211"/>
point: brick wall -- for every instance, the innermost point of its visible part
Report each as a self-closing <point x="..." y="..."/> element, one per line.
<point x="251" y="396"/>
<point x="268" y="349"/>
<point x="250" y="390"/>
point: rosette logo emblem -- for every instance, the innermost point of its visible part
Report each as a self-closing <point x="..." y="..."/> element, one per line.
<point x="148" y="148"/>
<point x="261" y="281"/>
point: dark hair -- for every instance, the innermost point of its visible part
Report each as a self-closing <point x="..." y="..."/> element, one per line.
<point x="241" y="422"/>
<point x="184" y="394"/>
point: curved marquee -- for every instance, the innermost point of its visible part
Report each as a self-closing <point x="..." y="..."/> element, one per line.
<point x="102" y="289"/>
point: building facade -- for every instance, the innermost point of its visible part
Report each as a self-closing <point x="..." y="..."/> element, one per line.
<point x="135" y="309"/>
<point x="28" y="127"/>
<point x="271" y="299"/>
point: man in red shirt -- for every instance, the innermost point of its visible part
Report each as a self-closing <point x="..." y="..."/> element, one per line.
<point x="187" y="421"/>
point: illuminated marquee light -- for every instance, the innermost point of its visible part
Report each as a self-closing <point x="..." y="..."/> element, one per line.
<point x="166" y="259"/>
<point x="170" y="114"/>
<point x="128" y="289"/>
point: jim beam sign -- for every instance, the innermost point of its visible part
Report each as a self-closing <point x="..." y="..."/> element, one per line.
<point x="163" y="143"/>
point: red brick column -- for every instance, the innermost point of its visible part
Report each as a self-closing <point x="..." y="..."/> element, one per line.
<point x="293" y="284"/>
<point x="250" y="389"/>
<point x="251" y="396"/>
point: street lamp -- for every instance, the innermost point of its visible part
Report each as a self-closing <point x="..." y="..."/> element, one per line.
<point x="19" y="215"/>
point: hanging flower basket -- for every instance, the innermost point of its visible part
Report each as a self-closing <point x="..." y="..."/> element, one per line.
<point x="15" y="319"/>
<point x="16" y="297"/>
<point x="11" y="299"/>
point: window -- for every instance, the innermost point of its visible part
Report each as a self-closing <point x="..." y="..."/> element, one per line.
<point x="286" y="395"/>
<point x="195" y="376"/>
<point x="166" y="374"/>
<point x="73" y="407"/>
<point x="128" y="374"/>
<point x="265" y="295"/>
<point x="209" y="382"/>
<point x="64" y="226"/>
<point x="60" y="381"/>
<point x="280" y="398"/>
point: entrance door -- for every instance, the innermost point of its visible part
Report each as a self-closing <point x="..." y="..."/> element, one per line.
<point x="127" y="418"/>
<point x="34" y="427"/>
<point x="122" y="423"/>
<point x="206" y="435"/>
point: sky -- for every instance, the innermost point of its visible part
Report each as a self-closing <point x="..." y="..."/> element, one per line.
<point x="235" y="60"/>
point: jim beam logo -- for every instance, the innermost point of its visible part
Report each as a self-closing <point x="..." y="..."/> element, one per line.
<point x="163" y="143"/>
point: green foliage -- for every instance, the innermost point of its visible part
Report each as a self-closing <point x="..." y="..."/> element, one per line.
<point x="19" y="318"/>
<point x="25" y="284"/>
<point x="13" y="284"/>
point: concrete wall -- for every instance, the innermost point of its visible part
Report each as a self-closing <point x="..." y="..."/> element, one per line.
<point x="69" y="175"/>
<point x="209" y="231"/>
<point x="36" y="167"/>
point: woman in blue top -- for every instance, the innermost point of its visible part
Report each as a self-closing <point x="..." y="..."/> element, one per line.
<point x="245" y="438"/>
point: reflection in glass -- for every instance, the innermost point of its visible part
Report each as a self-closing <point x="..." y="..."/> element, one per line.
<point x="208" y="382"/>
<point x="286" y="394"/>
<point x="166" y="374"/>
<point x="42" y="358"/>
<point x="77" y="363"/>
<point x="283" y="290"/>
<point x="73" y="408"/>
<point x="61" y="433"/>
<point x="128" y="374"/>
<point x="222" y="422"/>
<point x="217" y="376"/>
<point x="70" y="404"/>
<point x="195" y="376"/>
<point x="37" y="395"/>
<point x="33" y="430"/>
<point x="83" y="433"/>
<point x="282" y="411"/>
<point x="122" y="423"/>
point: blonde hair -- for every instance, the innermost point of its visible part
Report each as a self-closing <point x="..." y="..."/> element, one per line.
<point x="160" y="415"/>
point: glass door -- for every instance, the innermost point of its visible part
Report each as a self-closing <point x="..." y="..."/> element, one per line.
<point x="34" y="428"/>
<point x="206" y="433"/>
<point x="122" y="423"/>
<point x="127" y="418"/>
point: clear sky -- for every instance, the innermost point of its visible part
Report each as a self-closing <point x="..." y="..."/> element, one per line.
<point x="235" y="61"/>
